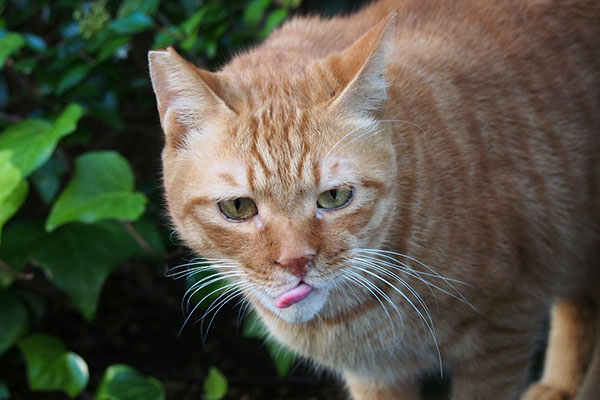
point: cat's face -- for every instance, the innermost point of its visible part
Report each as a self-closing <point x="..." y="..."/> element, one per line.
<point x="279" y="181"/>
<point x="275" y="189"/>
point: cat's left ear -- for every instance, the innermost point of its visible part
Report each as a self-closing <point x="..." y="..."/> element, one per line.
<point x="360" y="70"/>
<point x="185" y="95"/>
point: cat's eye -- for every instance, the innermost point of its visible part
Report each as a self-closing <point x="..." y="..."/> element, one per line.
<point x="334" y="198"/>
<point x="238" y="209"/>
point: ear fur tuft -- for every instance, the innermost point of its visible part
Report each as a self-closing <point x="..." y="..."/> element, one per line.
<point x="185" y="94"/>
<point x="360" y="69"/>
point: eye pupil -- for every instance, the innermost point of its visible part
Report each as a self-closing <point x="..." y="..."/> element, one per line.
<point x="334" y="198"/>
<point x="238" y="209"/>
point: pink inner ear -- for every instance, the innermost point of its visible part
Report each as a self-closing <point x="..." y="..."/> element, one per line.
<point x="293" y="296"/>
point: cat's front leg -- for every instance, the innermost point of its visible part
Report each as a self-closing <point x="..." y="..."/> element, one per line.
<point x="362" y="389"/>
<point x="498" y="372"/>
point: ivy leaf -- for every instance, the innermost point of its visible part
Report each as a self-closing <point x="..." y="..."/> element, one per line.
<point x="73" y="76"/>
<point x="283" y="358"/>
<point x="253" y="327"/>
<point x="10" y="176"/>
<point x="255" y="10"/>
<point x="35" y="42"/>
<point x="32" y="141"/>
<point x="11" y="204"/>
<point x="48" y="178"/>
<point x="4" y="392"/>
<point x="13" y="320"/>
<point x="190" y="25"/>
<point x="121" y="382"/>
<point x="78" y="258"/>
<point x="20" y="239"/>
<point x="275" y="18"/>
<point x="10" y="44"/>
<point x="215" y="385"/>
<point x="111" y="47"/>
<point x="13" y="188"/>
<point x="131" y="24"/>
<point x="289" y="4"/>
<point x="101" y="188"/>
<point x="51" y="367"/>
<point x="128" y="7"/>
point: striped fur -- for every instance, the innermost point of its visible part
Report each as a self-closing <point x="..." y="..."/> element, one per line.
<point x="470" y="132"/>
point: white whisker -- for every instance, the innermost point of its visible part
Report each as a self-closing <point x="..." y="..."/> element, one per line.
<point x="204" y="282"/>
<point x="388" y="255"/>
<point x="201" y="301"/>
<point x="402" y="282"/>
<point x="362" y="281"/>
<point x="234" y="292"/>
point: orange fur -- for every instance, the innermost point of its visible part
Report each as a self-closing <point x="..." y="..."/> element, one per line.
<point x="470" y="133"/>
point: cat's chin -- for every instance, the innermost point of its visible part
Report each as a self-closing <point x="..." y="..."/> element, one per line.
<point x="302" y="311"/>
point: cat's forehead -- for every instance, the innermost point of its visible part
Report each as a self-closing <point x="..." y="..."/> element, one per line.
<point x="272" y="154"/>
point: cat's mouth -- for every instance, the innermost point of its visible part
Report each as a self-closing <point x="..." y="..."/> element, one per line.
<point x="293" y="295"/>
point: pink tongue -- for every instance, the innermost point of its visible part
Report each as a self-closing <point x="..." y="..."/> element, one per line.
<point x="293" y="296"/>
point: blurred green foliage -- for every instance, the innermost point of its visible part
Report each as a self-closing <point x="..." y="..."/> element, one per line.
<point x="78" y="192"/>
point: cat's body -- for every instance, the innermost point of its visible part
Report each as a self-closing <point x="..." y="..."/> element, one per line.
<point x="482" y="165"/>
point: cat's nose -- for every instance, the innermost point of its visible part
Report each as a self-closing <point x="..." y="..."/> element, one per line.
<point x="297" y="266"/>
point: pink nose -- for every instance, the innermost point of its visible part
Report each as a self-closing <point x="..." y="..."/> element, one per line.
<point x="297" y="266"/>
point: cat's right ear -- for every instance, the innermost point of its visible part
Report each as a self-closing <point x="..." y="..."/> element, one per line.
<point x="185" y="95"/>
<point x="360" y="70"/>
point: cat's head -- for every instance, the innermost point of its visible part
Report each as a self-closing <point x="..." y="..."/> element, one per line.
<point x="280" y="169"/>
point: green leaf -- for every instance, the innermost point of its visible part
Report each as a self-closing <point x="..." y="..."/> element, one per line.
<point x="35" y="42"/>
<point x="290" y="4"/>
<point x="4" y="392"/>
<point x="275" y="18"/>
<point x="11" y="204"/>
<point x="101" y="188"/>
<point x="4" y="95"/>
<point x="253" y="327"/>
<point x="121" y="382"/>
<point x="282" y="357"/>
<point x="10" y="176"/>
<point x="190" y="25"/>
<point x="109" y="48"/>
<point x="131" y="24"/>
<point x="255" y="11"/>
<point x="32" y="141"/>
<point x="13" y="188"/>
<point x="13" y="320"/>
<point x="128" y="7"/>
<point x="150" y="233"/>
<point x="48" y="178"/>
<point x="215" y="385"/>
<point x="73" y="76"/>
<point x="51" y="367"/>
<point x="78" y="259"/>
<point x="165" y="37"/>
<point x="10" y="44"/>
<point x="20" y="239"/>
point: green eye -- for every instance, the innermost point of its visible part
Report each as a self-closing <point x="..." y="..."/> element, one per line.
<point x="334" y="198"/>
<point x="238" y="209"/>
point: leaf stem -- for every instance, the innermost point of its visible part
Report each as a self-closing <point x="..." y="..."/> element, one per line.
<point x="139" y="239"/>
<point x="4" y="267"/>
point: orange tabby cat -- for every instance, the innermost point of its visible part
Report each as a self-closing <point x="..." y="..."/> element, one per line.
<point x="405" y="189"/>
